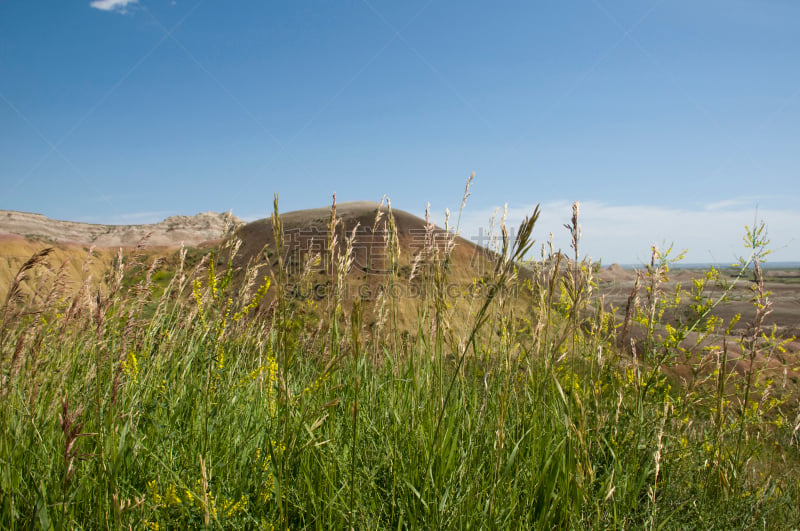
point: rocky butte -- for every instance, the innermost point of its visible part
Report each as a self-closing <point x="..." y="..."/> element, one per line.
<point x="171" y="232"/>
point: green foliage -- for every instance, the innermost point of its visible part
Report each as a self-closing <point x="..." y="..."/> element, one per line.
<point x="185" y="403"/>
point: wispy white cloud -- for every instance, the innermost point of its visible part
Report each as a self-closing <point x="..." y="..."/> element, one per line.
<point x="119" y="6"/>
<point x="727" y="204"/>
<point x="749" y="202"/>
<point x="625" y="233"/>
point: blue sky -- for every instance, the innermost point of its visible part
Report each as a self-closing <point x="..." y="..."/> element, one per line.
<point x="671" y="120"/>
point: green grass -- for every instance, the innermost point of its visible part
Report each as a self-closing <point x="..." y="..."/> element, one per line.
<point x="190" y="406"/>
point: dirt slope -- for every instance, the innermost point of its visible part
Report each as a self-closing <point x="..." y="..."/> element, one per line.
<point x="22" y="234"/>
<point x="373" y="276"/>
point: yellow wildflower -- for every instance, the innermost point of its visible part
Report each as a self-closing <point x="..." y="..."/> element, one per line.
<point x="171" y="496"/>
